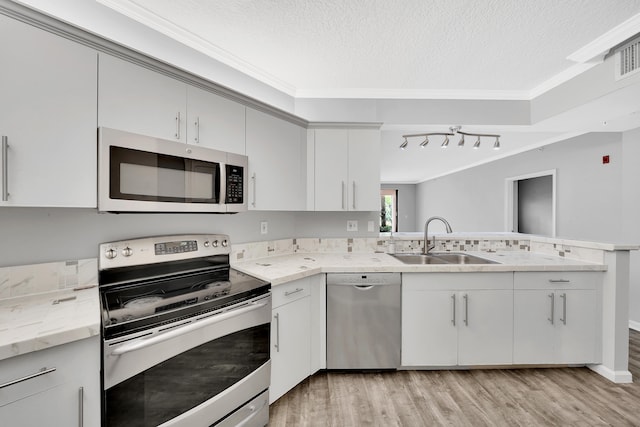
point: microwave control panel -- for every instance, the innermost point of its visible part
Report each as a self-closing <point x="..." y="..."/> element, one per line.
<point x="235" y="184"/>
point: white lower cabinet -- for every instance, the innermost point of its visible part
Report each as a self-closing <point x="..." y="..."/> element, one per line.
<point x="66" y="393"/>
<point x="556" y="318"/>
<point x="290" y="336"/>
<point x="453" y="319"/>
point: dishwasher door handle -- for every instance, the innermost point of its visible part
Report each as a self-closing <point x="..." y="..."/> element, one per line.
<point x="363" y="287"/>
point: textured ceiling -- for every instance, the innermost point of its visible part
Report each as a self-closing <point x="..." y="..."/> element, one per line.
<point x="338" y="47"/>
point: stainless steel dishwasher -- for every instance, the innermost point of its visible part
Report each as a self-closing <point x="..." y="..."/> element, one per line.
<point x="363" y="320"/>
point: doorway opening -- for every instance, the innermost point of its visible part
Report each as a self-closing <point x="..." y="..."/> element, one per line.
<point x="388" y="211"/>
<point x="531" y="203"/>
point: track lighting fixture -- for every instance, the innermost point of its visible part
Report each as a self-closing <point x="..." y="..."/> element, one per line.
<point x="453" y="130"/>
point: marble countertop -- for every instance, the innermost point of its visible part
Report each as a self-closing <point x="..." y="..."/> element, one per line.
<point x="40" y="321"/>
<point x="285" y="268"/>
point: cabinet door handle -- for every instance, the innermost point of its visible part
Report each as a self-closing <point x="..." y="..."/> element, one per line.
<point x="559" y="281"/>
<point x="5" y="170"/>
<point x="553" y="309"/>
<point x="286" y="294"/>
<point x="343" y="199"/>
<point x="277" y="344"/>
<point x="563" y="319"/>
<point x="42" y="371"/>
<point x="465" y="297"/>
<point x="81" y="407"/>
<point x="178" y="125"/>
<point x="453" y="305"/>
<point x="197" y="125"/>
<point x="253" y="183"/>
<point x="354" y="195"/>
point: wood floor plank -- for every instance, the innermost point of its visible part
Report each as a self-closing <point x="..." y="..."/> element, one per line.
<point x="482" y="397"/>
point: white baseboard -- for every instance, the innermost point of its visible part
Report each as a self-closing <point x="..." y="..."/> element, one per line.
<point x="634" y="325"/>
<point x="619" y="377"/>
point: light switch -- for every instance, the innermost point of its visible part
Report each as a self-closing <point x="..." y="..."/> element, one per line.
<point x="352" y="225"/>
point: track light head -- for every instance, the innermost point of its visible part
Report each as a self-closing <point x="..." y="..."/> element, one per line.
<point x="477" y="144"/>
<point x="461" y="143"/>
<point x="404" y="144"/>
<point x="496" y="145"/>
<point x="445" y="143"/>
<point x="425" y="142"/>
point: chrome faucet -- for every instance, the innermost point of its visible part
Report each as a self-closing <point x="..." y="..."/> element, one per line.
<point x="426" y="232"/>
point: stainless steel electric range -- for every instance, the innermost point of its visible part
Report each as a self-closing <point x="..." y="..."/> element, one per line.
<point x="185" y="337"/>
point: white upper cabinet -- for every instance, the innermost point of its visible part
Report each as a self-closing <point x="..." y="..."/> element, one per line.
<point x="47" y="118"/>
<point x="277" y="163"/>
<point x="135" y="99"/>
<point x="347" y="169"/>
<point x="215" y="122"/>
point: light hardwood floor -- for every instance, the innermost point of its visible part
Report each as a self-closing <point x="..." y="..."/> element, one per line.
<point x="483" y="397"/>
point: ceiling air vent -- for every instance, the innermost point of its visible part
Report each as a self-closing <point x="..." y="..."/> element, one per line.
<point x="628" y="59"/>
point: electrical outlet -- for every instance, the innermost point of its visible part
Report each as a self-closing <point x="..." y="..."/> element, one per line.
<point x="370" y="226"/>
<point x="352" y="225"/>
<point x="264" y="227"/>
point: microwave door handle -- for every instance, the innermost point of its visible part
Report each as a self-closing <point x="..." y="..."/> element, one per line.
<point x="223" y="185"/>
<point x="147" y="342"/>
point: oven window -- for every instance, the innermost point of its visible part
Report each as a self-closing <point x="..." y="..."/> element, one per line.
<point x="142" y="175"/>
<point x="178" y="384"/>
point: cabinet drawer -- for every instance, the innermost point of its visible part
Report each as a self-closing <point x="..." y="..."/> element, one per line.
<point x="291" y="291"/>
<point x="456" y="281"/>
<point x="558" y="280"/>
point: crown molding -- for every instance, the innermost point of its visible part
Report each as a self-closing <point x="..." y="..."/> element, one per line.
<point x="598" y="48"/>
<point x="376" y="93"/>
<point x="186" y="37"/>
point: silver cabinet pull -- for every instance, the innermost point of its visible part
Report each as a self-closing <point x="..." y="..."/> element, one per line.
<point x="559" y="281"/>
<point x="42" y="371"/>
<point x="354" y="195"/>
<point x="197" y="125"/>
<point x="465" y="297"/>
<point x="343" y="199"/>
<point x="253" y="182"/>
<point x="81" y="407"/>
<point x="453" y="305"/>
<point x="5" y="170"/>
<point x="553" y="309"/>
<point x="563" y="319"/>
<point x="277" y="344"/>
<point x="286" y="294"/>
<point x="178" y="125"/>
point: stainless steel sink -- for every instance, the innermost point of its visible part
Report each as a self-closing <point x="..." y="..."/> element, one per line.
<point x="419" y="259"/>
<point x="442" y="258"/>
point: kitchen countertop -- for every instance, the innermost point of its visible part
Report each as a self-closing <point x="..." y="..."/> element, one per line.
<point x="40" y="321"/>
<point x="285" y="268"/>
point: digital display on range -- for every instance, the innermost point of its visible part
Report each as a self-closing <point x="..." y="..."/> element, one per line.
<point x="166" y="248"/>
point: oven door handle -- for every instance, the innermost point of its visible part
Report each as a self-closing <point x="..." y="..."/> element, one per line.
<point x="147" y="342"/>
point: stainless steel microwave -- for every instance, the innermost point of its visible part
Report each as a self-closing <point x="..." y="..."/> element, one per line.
<point x="138" y="173"/>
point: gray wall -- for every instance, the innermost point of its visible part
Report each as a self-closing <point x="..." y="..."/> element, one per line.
<point x="406" y="205"/>
<point x="34" y="235"/>
<point x="589" y="194"/>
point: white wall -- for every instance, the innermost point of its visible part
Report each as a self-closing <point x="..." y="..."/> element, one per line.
<point x="631" y="214"/>
<point x="589" y="194"/>
<point x="35" y="235"/>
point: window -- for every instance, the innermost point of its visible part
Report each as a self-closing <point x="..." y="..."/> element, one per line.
<point x="388" y="210"/>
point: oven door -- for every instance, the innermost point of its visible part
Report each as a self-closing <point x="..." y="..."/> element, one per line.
<point x="141" y="173"/>
<point x="192" y="373"/>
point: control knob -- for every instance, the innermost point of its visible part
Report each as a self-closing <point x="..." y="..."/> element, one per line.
<point x="215" y="244"/>
<point x="206" y="243"/>
<point x="225" y="243"/>
<point x="127" y="251"/>
<point x="111" y="253"/>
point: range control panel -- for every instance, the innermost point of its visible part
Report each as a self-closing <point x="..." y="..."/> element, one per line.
<point x="152" y="250"/>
